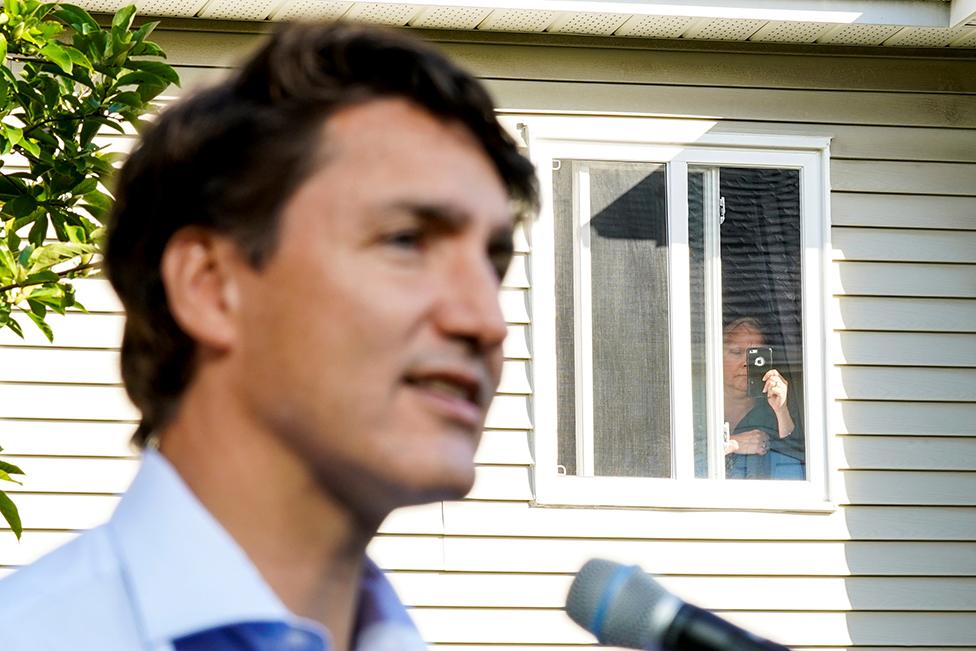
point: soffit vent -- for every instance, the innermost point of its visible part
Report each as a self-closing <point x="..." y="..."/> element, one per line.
<point x="855" y="34"/>
<point x="587" y="23"/>
<point x="785" y="32"/>
<point x="655" y="26"/>
<point x="450" y="17"/>
<point x="108" y="6"/>
<point x="724" y="30"/>
<point x="238" y="9"/>
<point x="383" y="14"/>
<point x="183" y="8"/>
<point x="515" y="20"/>
<point x="310" y="10"/>
<point x="927" y="36"/>
<point x="966" y="39"/>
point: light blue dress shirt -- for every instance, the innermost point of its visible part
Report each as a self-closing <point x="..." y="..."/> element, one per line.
<point x="162" y="568"/>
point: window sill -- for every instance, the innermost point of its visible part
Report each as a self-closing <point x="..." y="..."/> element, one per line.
<point x="696" y="494"/>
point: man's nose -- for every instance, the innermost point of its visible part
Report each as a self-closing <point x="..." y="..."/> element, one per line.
<point x="470" y="307"/>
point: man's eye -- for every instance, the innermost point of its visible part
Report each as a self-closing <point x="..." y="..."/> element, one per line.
<point x="406" y="239"/>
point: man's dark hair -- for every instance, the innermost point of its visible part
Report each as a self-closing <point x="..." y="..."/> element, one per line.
<point x="229" y="157"/>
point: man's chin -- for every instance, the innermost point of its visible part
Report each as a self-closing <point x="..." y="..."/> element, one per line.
<point x="451" y="485"/>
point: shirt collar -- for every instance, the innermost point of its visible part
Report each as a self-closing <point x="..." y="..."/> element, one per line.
<point x="185" y="573"/>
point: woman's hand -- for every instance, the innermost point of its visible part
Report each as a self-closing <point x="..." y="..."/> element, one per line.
<point x="755" y="441"/>
<point x="776" y="389"/>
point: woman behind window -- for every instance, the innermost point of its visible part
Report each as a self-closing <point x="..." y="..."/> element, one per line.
<point x="765" y="442"/>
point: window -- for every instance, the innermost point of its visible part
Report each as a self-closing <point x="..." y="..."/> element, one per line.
<point x="678" y="315"/>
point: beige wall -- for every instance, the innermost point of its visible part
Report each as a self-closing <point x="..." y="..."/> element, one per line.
<point x="893" y="565"/>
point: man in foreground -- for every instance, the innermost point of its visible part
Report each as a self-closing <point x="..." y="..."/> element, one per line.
<point x="309" y="256"/>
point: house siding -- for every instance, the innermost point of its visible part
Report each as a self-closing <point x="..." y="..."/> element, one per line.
<point x="894" y="564"/>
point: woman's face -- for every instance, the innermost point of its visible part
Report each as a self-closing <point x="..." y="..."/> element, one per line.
<point x="737" y="341"/>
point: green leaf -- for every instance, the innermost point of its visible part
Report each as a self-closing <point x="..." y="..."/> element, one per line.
<point x="85" y="187"/>
<point x="148" y="49"/>
<point x="13" y="240"/>
<point x="99" y="202"/>
<point x="129" y="98"/>
<point x="59" y="56"/>
<point x="47" y="276"/>
<point x="13" y="325"/>
<point x="37" y="308"/>
<point x="151" y="89"/>
<point x="145" y="30"/>
<point x="8" y="262"/>
<point x="111" y="124"/>
<point x="158" y="68"/>
<point x="40" y="10"/>
<point x="14" y="134"/>
<point x="136" y="77"/>
<point x="78" y="57"/>
<point x="38" y="231"/>
<point x="44" y="138"/>
<point x="89" y="129"/>
<point x="76" y="234"/>
<point x="3" y="47"/>
<point x="122" y="20"/>
<point x="49" y="255"/>
<point x="22" y="206"/>
<point x="77" y="18"/>
<point x="69" y="299"/>
<point x="30" y="145"/>
<point x="10" y="468"/>
<point x="9" y="511"/>
<point x="42" y="325"/>
<point x="5" y="477"/>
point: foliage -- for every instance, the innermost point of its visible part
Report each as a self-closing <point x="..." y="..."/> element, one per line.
<point x="64" y="78"/>
<point x="7" y="508"/>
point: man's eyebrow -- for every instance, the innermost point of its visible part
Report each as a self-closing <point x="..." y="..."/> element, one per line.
<point x="448" y="217"/>
<point x="436" y="214"/>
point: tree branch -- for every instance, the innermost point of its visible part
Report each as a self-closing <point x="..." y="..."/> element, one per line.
<point x="61" y="274"/>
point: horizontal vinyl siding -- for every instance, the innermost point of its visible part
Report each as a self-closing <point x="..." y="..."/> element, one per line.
<point x="892" y="565"/>
<point x="888" y="566"/>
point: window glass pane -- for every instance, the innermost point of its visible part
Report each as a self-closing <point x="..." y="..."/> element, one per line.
<point x="696" y="263"/>
<point x="619" y="421"/>
<point x="562" y="197"/>
<point x="759" y="254"/>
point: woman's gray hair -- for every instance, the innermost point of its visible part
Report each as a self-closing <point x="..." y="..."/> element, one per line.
<point x="750" y="321"/>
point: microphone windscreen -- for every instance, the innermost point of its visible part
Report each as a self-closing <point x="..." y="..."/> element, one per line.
<point x="617" y="604"/>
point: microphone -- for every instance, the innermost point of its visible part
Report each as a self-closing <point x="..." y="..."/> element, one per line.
<point x="623" y="606"/>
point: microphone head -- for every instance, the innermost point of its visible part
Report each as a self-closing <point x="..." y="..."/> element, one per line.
<point x="619" y="604"/>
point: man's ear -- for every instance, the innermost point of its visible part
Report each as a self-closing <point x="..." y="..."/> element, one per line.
<point x="198" y="270"/>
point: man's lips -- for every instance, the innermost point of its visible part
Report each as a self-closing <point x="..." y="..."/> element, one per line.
<point x="460" y="394"/>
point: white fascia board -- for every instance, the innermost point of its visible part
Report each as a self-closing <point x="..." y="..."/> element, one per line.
<point x="908" y="13"/>
<point x="962" y="12"/>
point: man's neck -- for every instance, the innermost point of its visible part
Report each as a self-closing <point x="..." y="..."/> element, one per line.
<point x="305" y="544"/>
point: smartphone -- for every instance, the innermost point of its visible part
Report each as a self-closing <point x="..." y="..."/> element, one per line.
<point x="758" y="362"/>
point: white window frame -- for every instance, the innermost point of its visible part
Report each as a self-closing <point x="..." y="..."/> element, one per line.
<point x="680" y="144"/>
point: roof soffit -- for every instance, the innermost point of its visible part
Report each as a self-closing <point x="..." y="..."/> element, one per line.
<point x="891" y="23"/>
